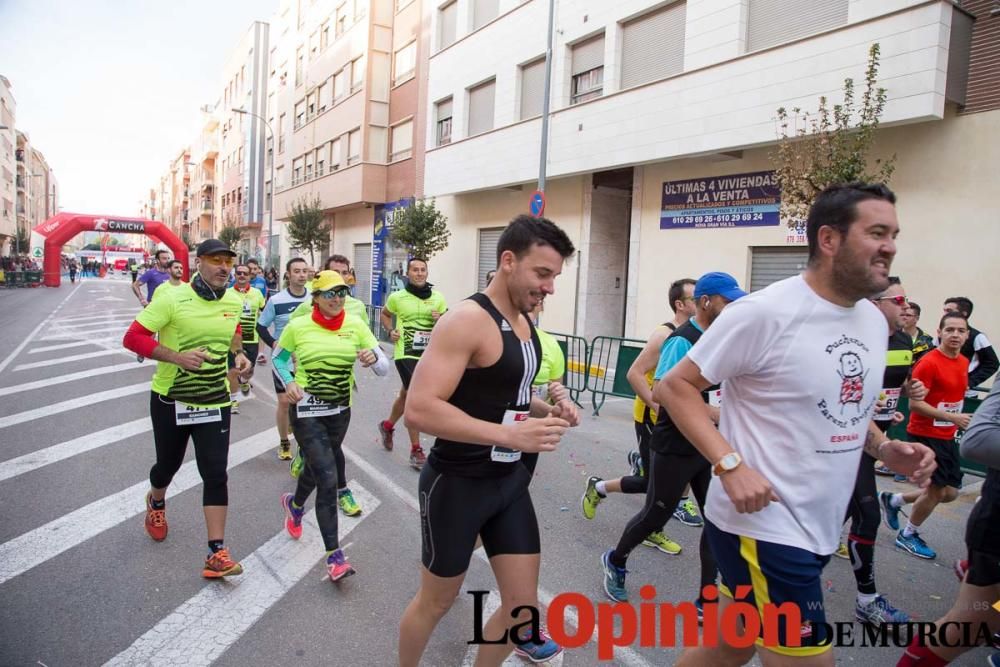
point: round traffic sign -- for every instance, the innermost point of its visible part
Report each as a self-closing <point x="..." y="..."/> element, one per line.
<point x="537" y="203"/>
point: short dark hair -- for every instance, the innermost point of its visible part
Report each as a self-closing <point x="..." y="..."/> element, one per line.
<point x="339" y="259"/>
<point x="415" y="259"/>
<point x="243" y="264"/>
<point x="288" y="264"/>
<point x="837" y="207"/>
<point x="676" y="292"/>
<point x="915" y="306"/>
<point x="174" y="261"/>
<point x="158" y="252"/>
<point x="252" y="261"/>
<point x="526" y="231"/>
<point x="953" y="316"/>
<point x="964" y="304"/>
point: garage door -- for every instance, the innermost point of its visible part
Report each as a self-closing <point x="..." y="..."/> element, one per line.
<point x="488" y="239"/>
<point x="769" y="265"/>
<point x="363" y="271"/>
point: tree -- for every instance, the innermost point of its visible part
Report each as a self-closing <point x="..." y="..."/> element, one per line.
<point x="229" y="235"/>
<point x="23" y="240"/>
<point x="822" y="149"/>
<point x="420" y="228"/>
<point x="186" y="239"/>
<point x="307" y="229"/>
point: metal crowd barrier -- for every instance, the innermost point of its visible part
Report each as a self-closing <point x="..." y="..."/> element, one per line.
<point x="576" y="352"/>
<point x="375" y="322"/>
<point x="13" y="279"/>
<point x="607" y="368"/>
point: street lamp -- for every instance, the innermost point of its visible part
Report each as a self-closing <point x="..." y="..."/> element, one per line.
<point x="270" y="204"/>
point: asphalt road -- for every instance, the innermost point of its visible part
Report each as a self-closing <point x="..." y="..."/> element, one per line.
<point x="82" y="584"/>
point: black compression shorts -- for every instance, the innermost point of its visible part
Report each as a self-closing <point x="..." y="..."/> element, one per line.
<point x="405" y="368"/>
<point x="454" y="510"/>
<point x="949" y="467"/>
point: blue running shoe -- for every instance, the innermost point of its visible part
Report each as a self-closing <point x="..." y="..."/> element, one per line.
<point x="890" y="514"/>
<point x="687" y="513"/>
<point x="543" y="652"/>
<point x="993" y="660"/>
<point x="879" y="611"/>
<point x="900" y="478"/>
<point x="614" y="579"/>
<point x="914" y="544"/>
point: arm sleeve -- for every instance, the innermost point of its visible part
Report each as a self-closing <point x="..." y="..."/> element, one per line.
<point x="382" y="364"/>
<point x="282" y="361"/>
<point x="265" y="335"/>
<point x="981" y="442"/>
<point x="140" y="340"/>
<point x="673" y="350"/>
<point x="988" y="362"/>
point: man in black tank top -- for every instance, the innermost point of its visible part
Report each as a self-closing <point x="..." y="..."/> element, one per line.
<point x="472" y="389"/>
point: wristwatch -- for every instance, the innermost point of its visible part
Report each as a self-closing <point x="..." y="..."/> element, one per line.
<point x="727" y="463"/>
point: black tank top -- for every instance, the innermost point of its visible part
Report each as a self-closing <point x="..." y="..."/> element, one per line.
<point x="491" y="394"/>
<point x="666" y="437"/>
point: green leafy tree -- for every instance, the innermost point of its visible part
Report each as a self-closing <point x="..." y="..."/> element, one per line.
<point x="829" y="146"/>
<point x="186" y="239"/>
<point x="307" y="228"/>
<point x="420" y="228"/>
<point x="23" y="240"/>
<point x="229" y="235"/>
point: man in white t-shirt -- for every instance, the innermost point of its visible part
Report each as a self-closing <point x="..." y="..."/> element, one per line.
<point x="802" y="364"/>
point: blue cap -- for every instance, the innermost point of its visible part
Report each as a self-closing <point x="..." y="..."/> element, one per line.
<point x="719" y="283"/>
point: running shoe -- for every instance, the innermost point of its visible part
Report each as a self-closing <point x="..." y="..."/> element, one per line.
<point x="842" y="552"/>
<point x="140" y="358"/>
<point x="635" y="463"/>
<point x="156" y="520"/>
<point x="883" y="469"/>
<point x="659" y="540"/>
<point x="961" y="568"/>
<point x="543" y="652"/>
<point x="993" y="660"/>
<point x="385" y="435"/>
<point x="687" y="513"/>
<point x="235" y="408"/>
<point x="220" y="565"/>
<point x="245" y="388"/>
<point x="879" y="611"/>
<point x="348" y="505"/>
<point x="890" y="514"/>
<point x="900" y="478"/>
<point x="293" y="516"/>
<point x="295" y="467"/>
<point x="591" y="498"/>
<point x="614" y="578"/>
<point x="337" y="566"/>
<point x="914" y="544"/>
<point x="285" y="450"/>
<point x="417" y="457"/>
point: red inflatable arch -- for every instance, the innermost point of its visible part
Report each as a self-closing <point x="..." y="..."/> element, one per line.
<point x="58" y="230"/>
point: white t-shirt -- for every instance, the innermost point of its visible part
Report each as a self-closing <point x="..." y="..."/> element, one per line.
<point x="801" y="377"/>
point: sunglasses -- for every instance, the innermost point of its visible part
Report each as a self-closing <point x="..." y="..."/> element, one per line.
<point x="898" y="300"/>
<point x="219" y="260"/>
<point x="339" y="292"/>
<point x="242" y="273"/>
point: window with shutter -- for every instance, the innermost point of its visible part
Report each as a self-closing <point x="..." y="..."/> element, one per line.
<point x="772" y="22"/>
<point x="488" y="240"/>
<point x="653" y="45"/>
<point x="353" y="146"/>
<point x="484" y="11"/>
<point x="405" y="63"/>
<point x="588" y="70"/>
<point x="335" y="154"/>
<point x="532" y="88"/>
<point x="443" y="118"/>
<point x="447" y="24"/>
<point x="402" y="141"/>
<point x="771" y="264"/>
<point x="481" y="103"/>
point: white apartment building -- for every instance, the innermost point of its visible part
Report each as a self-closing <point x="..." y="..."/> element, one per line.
<point x="8" y="114"/>
<point x="646" y="95"/>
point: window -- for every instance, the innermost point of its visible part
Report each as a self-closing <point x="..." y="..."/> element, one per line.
<point x="401" y="143"/>
<point x="313" y="44"/>
<point x="300" y="65"/>
<point x="312" y="104"/>
<point x="339" y="87"/>
<point x="447" y="24"/>
<point x="325" y="102"/>
<point x="296" y="171"/>
<point x="484" y="11"/>
<point x="532" y="88"/>
<point x="279" y="179"/>
<point x="281" y="133"/>
<point x="267" y="195"/>
<point x="443" y="117"/>
<point x="324" y="36"/>
<point x="353" y="146"/>
<point x="771" y="264"/>
<point x="771" y="22"/>
<point x="300" y="115"/>
<point x="357" y="73"/>
<point x="402" y="3"/>
<point x="360" y="8"/>
<point x="321" y="155"/>
<point x="405" y="62"/>
<point x="653" y="45"/>
<point x="341" y="19"/>
<point x="310" y="158"/>
<point x="335" y="154"/>
<point x="488" y="241"/>
<point x="481" y="102"/>
<point x="588" y="70"/>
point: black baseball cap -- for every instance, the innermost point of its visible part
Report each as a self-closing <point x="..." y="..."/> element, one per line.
<point x="213" y="247"/>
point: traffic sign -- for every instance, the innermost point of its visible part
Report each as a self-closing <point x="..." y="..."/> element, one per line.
<point x="537" y="203"/>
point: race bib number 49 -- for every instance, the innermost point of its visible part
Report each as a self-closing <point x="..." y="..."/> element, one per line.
<point x="505" y="454"/>
<point x="192" y="414"/>
<point x="311" y="406"/>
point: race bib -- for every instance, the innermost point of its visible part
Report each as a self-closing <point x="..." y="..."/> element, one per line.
<point x="503" y="454"/>
<point x="951" y="409"/>
<point x="889" y="398"/>
<point x="715" y="398"/>
<point x="421" y="339"/>
<point x="311" y="406"/>
<point x="187" y="415"/>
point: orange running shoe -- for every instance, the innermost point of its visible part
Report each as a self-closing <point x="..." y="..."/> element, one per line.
<point x="156" y="520"/>
<point x="220" y="565"/>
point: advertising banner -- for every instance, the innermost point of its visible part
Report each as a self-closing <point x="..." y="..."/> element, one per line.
<point x="737" y="200"/>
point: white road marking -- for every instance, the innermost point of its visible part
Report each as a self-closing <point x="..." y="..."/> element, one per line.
<point x="72" y="404"/>
<point x="623" y="655"/>
<point x="60" y="346"/>
<point x="37" y="546"/>
<point x="68" y="359"/>
<point x="490" y="605"/>
<point x="184" y="638"/>
<point x="27" y="339"/>
<point x="63" y="379"/>
<point x="105" y="315"/>
<point x="58" y="334"/>
<point x="109" y="298"/>
<point x="121" y="320"/>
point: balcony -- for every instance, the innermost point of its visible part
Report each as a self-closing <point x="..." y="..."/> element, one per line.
<point x="19" y="155"/>
<point x="206" y="207"/>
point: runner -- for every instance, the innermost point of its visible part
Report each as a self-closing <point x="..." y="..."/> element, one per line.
<point x="253" y="302"/>
<point x="644" y="412"/>
<point x="978" y="349"/>
<point x="933" y="422"/>
<point x="355" y="307"/>
<point x="277" y="311"/>
<point x="72" y="270"/>
<point x="133" y="268"/>
<point x="802" y="364"/>
<point x="471" y="390"/>
<point x="197" y="324"/>
<point x="176" y="270"/>
<point x="922" y="341"/>
<point x="152" y="278"/>
<point x="257" y="280"/>
<point x="981" y="581"/>
<point x="674" y="464"/>
<point x="325" y="345"/>
<point x="417" y="309"/>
